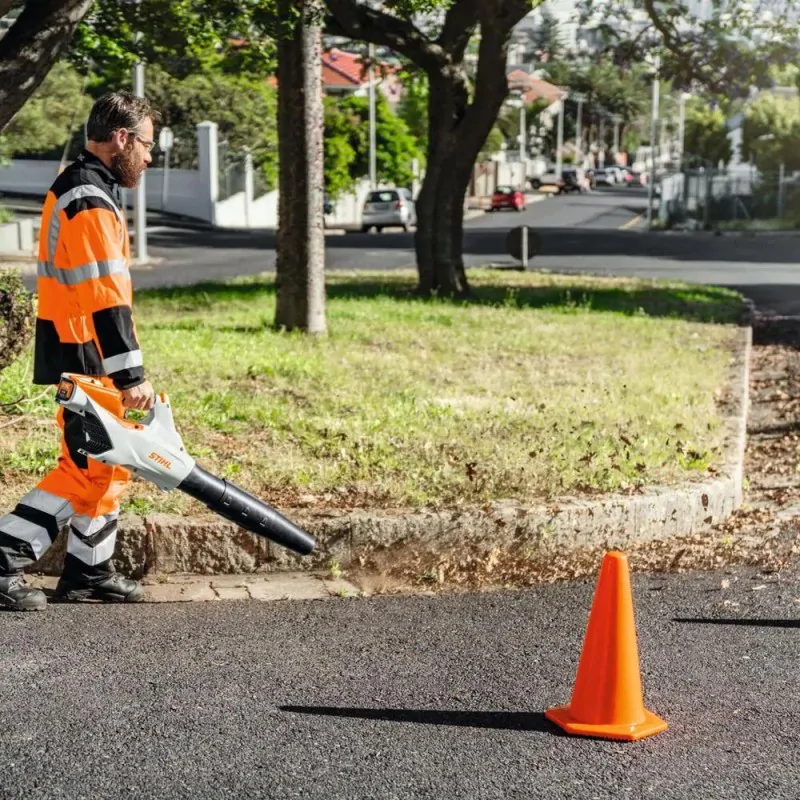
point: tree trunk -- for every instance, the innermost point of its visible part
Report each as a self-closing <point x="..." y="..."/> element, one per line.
<point x="301" y="240"/>
<point x="456" y="134"/>
<point x="31" y="47"/>
<point x="456" y="129"/>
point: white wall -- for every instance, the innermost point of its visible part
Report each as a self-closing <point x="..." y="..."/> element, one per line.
<point x="191" y="193"/>
<point x="186" y="193"/>
<point x="347" y="209"/>
<point x="18" y="238"/>
<point x="264" y="211"/>
<point x="26" y="176"/>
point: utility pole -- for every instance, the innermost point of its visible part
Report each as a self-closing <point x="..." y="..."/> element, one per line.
<point x="523" y="133"/>
<point x="560" y="138"/>
<point x="617" y="120"/>
<point x="580" y="97"/>
<point x="682" y="125"/>
<point x="373" y="158"/>
<point x="140" y="213"/>
<point x="653" y="135"/>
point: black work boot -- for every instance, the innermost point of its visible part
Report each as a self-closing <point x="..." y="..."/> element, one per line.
<point x="113" y="588"/>
<point x="17" y="596"/>
<point x="98" y="584"/>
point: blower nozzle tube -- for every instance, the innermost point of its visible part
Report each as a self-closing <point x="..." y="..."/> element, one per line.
<point x="237" y="505"/>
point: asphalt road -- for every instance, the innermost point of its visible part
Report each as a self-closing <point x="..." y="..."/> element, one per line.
<point x="403" y="697"/>
<point x="598" y="233"/>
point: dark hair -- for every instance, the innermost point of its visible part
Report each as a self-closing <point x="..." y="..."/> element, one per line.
<point x="117" y="110"/>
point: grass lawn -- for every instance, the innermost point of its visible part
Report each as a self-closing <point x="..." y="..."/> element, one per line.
<point x="544" y="385"/>
<point x="771" y="224"/>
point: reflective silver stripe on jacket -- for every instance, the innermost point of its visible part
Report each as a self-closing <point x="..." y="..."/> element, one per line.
<point x="128" y="360"/>
<point x="72" y="276"/>
<point x="73" y="194"/>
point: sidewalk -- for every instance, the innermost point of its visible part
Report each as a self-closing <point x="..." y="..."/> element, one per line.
<point x="208" y="588"/>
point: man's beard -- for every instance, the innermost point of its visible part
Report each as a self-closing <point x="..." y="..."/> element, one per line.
<point x="125" y="168"/>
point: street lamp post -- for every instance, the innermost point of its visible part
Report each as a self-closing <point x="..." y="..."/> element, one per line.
<point x="653" y="135"/>
<point x="517" y="100"/>
<point x="140" y="214"/>
<point x="373" y="156"/>
<point x="617" y="119"/>
<point x="560" y="138"/>
<point x="682" y="125"/>
<point x="581" y="98"/>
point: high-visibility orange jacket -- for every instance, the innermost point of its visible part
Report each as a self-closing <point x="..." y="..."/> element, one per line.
<point x="85" y="322"/>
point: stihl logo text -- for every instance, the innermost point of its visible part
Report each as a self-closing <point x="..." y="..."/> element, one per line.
<point x="160" y="460"/>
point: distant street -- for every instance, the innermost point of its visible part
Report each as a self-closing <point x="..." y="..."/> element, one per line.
<point x="399" y="697"/>
<point x="602" y="233"/>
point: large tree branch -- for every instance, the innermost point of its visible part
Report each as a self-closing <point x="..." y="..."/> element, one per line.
<point x="459" y="25"/>
<point x="668" y="33"/>
<point x="358" y="21"/>
<point x="31" y="47"/>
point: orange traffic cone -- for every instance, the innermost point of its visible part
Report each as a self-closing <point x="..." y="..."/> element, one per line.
<point x="607" y="697"/>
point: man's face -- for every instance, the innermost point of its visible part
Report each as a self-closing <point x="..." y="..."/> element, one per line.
<point x="133" y="154"/>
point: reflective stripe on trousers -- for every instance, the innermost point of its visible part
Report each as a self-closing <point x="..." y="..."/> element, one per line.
<point x="79" y="492"/>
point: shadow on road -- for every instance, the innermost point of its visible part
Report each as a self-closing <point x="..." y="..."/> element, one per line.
<point x="555" y="241"/>
<point x="758" y="623"/>
<point x="697" y="303"/>
<point x="499" y="720"/>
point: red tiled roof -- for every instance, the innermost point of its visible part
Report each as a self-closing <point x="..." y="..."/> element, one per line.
<point x="340" y="68"/>
<point x="343" y="68"/>
<point x="534" y="88"/>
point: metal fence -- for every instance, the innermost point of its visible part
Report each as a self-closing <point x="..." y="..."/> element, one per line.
<point x="231" y="165"/>
<point x="708" y="198"/>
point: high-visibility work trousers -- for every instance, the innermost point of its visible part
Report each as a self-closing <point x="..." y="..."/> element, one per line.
<point x="80" y="493"/>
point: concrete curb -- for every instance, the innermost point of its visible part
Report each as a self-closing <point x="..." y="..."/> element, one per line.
<point x="166" y="544"/>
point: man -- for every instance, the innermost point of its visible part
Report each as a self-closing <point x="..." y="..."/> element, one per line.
<point x="84" y="325"/>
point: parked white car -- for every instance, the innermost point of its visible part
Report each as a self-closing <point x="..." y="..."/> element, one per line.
<point x="388" y="208"/>
<point x="547" y="178"/>
<point x="606" y="177"/>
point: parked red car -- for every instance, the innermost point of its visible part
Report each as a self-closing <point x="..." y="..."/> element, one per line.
<point x="508" y="197"/>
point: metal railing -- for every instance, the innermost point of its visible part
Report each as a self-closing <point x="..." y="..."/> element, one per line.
<point x="711" y="198"/>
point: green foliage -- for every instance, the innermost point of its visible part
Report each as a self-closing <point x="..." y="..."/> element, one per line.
<point x="738" y="45"/>
<point x="508" y="122"/>
<point x="706" y="135"/>
<point x="16" y="317"/>
<point x="494" y="142"/>
<point x="50" y="116"/>
<point x="608" y="88"/>
<point x="183" y="37"/>
<point x="347" y="144"/>
<point x="244" y="107"/>
<point x="771" y="132"/>
<point x="340" y="148"/>
<point x="546" y="41"/>
<point x="413" y="106"/>
<point x="631" y="140"/>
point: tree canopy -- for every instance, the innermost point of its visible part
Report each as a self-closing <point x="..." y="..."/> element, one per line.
<point x="706" y="140"/>
<point x="347" y="144"/>
<point x="771" y="132"/>
<point x="736" y="46"/>
<point x="48" y="119"/>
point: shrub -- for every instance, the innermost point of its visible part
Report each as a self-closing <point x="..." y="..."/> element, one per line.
<point x="16" y="317"/>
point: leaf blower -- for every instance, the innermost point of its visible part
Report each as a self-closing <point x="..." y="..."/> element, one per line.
<point x="153" y="449"/>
